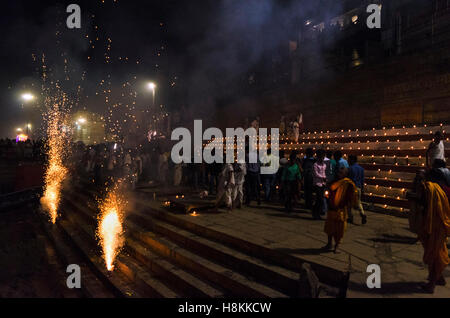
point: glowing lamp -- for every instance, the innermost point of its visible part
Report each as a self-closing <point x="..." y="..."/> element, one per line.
<point x="27" y="97"/>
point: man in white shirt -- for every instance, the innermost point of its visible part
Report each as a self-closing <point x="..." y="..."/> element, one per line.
<point x="436" y="149"/>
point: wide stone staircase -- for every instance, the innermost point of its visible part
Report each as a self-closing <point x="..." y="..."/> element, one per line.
<point x="390" y="157"/>
<point x="168" y="256"/>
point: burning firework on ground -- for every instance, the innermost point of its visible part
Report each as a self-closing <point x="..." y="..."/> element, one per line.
<point x="110" y="228"/>
<point x="55" y="117"/>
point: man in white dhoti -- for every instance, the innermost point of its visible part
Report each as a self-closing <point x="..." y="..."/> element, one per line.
<point x="225" y="187"/>
<point x="240" y="170"/>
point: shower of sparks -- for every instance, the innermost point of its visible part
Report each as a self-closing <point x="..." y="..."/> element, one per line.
<point x="110" y="230"/>
<point x="55" y="116"/>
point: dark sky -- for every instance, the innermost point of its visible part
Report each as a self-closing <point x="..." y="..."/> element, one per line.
<point x="200" y="45"/>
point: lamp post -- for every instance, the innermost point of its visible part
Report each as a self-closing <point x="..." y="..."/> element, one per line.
<point x="152" y="87"/>
<point x="81" y="122"/>
<point x="27" y="97"/>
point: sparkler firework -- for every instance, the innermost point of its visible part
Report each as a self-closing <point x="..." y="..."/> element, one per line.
<point x="56" y="172"/>
<point x="57" y="108"/>
<point x="110" y="230"/>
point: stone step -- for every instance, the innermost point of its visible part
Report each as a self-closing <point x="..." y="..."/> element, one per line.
<point x="154" y="284"/>
<point x="326" y="275"/>
<point x="243" y="286"/>
<point x="234" y="283"/>
<point x="114" y="281"/>
<point x="135" y="281"/>
<point x="192" y="286"/>
<point x="399" y="176"/>
<point x="91" y="286"/>
<point x="283" y="280"/>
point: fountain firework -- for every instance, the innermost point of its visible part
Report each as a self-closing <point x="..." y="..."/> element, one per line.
<point x="110" y="228"/>
<point x="57" y="106"/>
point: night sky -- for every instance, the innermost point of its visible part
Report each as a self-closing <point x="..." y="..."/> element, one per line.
<point x="193" y="50"/>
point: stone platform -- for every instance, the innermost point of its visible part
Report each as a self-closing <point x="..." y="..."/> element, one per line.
<point x="385" y="240"/>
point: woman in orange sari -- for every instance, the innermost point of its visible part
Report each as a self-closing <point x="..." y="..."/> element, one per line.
<point x="343" y="195"/>
<point x="433" y="233"/>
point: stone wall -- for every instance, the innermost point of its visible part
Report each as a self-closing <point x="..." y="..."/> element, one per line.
<point x="404" y="90"/>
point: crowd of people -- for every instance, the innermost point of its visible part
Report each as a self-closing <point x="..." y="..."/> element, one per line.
<point x="321" y="182"/>
<point x="18" y="151"/>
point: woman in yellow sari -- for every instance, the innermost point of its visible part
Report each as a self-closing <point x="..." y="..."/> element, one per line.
<point x="433" y="233"/>
<point x="343" y="196"/>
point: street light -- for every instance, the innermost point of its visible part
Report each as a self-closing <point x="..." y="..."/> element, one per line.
<point x="152" y="87"/>
<point x="27" y="97"/>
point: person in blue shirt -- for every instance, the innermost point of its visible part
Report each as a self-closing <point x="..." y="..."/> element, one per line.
<point x="340" y="162"/>
<point x="356" y="174"/>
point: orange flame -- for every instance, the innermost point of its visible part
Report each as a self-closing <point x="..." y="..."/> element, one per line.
<point x="110" y="229"/>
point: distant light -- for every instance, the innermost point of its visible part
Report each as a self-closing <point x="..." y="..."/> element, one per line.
<point x="27" y="97"/>
<point x="308" y="22"/>
<point x="151" y="86"/>
<point x="19" y="130"/>
<point x="355" y="19"/>
<point x="81" y="120"/>
<point x="21" y="138"/>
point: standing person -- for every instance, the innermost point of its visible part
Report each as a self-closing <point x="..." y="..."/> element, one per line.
<point x="240" y="170"/>
<point x="162" y="167"/>
<point x="340" y="162"/>
<point x="177" y="174"/>
<point x="291" y="177"/>
<point x="301" y="126"/>
<point x="331" y="167"/>
<point x="91" y="160"/>
<point x="433" y="232"/>
<point x="436" y="149"/>
<point x="283" y="163"/>
<point x="319" y="183"/>
<point x="307" y="167"/>
<point x="269" y="179"/>
<point x="97" y="167"/>
<point x="441" y="172"/>
<point x="226" y="185"/>
<point x="343" y="195"/>
<point x="356" y="174"/>
<point x="213" y="170"/>
<point x="111" y="166"/>
<point x="296" y="130"/>
<point x="127" y="164"/>
<point x="138" y="161"/>
<point x="282" y="126"/>
<point x="253" y="180"/>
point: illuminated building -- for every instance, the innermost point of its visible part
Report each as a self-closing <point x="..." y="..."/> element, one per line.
<point x="88" y="127"/>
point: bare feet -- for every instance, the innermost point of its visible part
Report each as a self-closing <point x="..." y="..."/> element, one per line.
<point x="335" y="251"/>
<point x="327" y="247"/>
<point x="441" y="281"/>
<point x="429" y="287"/>
<point x="363" y="219"/>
